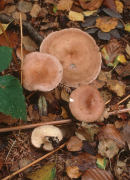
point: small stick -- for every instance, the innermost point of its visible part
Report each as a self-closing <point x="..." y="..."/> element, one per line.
<point x="29" y="126"/>
<point x="119" y="111"/>
<point x="127" y="97"/>
<point x="34" y="162"/>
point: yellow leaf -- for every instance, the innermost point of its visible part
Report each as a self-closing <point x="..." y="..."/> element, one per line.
<point x="121" y="58"/>
<point x="89" y="13"/>
<point x="4" y="27"/>
<point x="127" y="27"/>
<point x="119" y="6"/>
<point x="75" y="16"/>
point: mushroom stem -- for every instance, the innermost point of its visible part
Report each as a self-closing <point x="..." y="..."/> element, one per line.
<point x="119" y="111"/>
<point x="29" y="126"/>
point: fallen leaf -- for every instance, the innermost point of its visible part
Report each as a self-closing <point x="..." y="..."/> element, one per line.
<point x="97" y="174"/>
<point x="42" y="106"/>
<point x="128" y="49"/>
<point x="127" y="27"/>
<point x="112" y="13"/>
<point x="73" y="172"/>
<point x="35" y="10"/>
<point x="64" y="113"/>
<point x="101" y="163"/>
<point x="65" y="5"/>
<point x="107" y="148"/>
<point x="126" y="132"/>
<point x="123" y="71"/>
<point x="111" y="50"/>
<point x="91" y="5"/>
<point x="121" y="58"/>
<point x="18" y="52"/>
<point x="3" y="4"/>
<point x="117" y="86"/>
<point x="106" y="23"/>
<point x="7" y="119"/>
<point x="29" y="44"/>
<point x="65" y="95"/>
<point x="128" y="106"/>
<point x="89" y="13"/>
<point x="74" y="144"/>
<point x="110" y="4"/>
<point x="119" y="169"/>
<point x="47" y="172"/>
<point x="33" y="114"/>
<point x="119" y="6"/>
<point x="75" y="16"/>
<point x="4" y="28"/>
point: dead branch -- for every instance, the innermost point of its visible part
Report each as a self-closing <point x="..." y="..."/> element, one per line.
<point x="29" y="126"/>
<point x="34" y="162"/>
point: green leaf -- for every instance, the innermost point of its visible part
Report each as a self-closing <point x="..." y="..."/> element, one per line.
<point x="47" y="172"/>
<point x="5" y="57"/>
<point x="12" y="100"/>
<point x="55" y="9"/>
<point x="101" y="163"/>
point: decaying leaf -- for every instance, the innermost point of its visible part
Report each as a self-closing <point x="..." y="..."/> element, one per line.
<point x="89" y="13"/>
<point x="106" y="23"/>
<point x="74" y="144"/>
<point x="126" y="133"/>
<point x="73" y="172"/>
<point x="65" y="95"/>
<point x="111" y="50"/>
<point x="91" y="5"/>
<point x="64" y="113"/>
<point x="42" y="106"/>
<point x="65" y="5"/>
<point x="7" y="119"/>
<point x="127" y="27"/>
<point x="4" y="28"/>
<point x="75" y="16"/>
<point x="117" y="86"/>
<point x="110" y="4"/>
<point x="119" y="6"/>
<point x="47" y="172"/>
<point x="97" y="174"/>
<point x="119" y="168"/>
<point x="107" y="148"/>
<point x="128" y="49"/>
<point x="122" y="70"/>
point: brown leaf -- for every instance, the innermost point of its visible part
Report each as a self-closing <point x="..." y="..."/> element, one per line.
<point x="110" y="132"/>
<point x="33" y="114"/>
<point x="111" y="50"/>
<point x="74" y="144"/>
<point x="91" y="5"/>
<point x="65" y="5"/>
<point x="73" y="172"/>
<point x="7" y="119"/>
<point x="97" y="174"/>
<point x="13" y="38"/>
<point x="123" y="71"/>
<point x="110" y="4"/>
<point x="106" y="23"/>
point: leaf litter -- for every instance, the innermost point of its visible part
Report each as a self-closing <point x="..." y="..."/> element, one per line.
<point x="54" y="105"/>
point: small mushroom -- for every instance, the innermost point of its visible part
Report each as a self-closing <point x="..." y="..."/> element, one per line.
<point x="86" y="104"/>
<point x="46" y="135"/>
<point x="78" y="53"/>
<point x="41" y="72"/>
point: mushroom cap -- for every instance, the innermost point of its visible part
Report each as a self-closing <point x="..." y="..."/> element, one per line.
<point x="78" y="53"/>
<point x="41" y="72"/>
<point x="86" y="104"/>
<point x="41" y="134"/>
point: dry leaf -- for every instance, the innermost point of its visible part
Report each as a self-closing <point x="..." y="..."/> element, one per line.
<point x="123" y="71"/>
<point x="107" y="148"/>
<point x="89" y="13"/>
<point x="75" y="16"/>
<point x="106" y="23"/>
<point x="128" y="49"/>
<point x="97" y="174"/>
<point x="65" y="95"/>
<point x="127" y="27"/>
<point x="110" y="4"/>
<point x="4" y="27"/>
<point x="65" y="5"/>
<point x="74" y="144"/>
<point x="117" y="86"/>
<point x="7" y="119"/>
<point x="119" y="6"/>
<point x="73" y="172"/>
<point x="91" y="5"/>
<point x="64" y="113"/>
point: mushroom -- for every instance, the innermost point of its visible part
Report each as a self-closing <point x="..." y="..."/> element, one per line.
<point x="45" y="135"/>
<point x="86" y="104"/>
<point x="78" y="53"/>
<point x="41" y="72"/>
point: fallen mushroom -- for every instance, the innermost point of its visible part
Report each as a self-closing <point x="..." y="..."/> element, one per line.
<point x="78" y="53"/>
<point x="41" y="72"/>
<point x="86" y="104"/>
<point x="46" y="135"/>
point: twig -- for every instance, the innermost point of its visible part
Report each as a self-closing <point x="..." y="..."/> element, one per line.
<point x="10" y="150"/>
<point x="34" y="162"/>
<point x="123" y="99"/>
<point x="21" y="33"/>
<point x="119" y="111"/>
<point x="29" y="126"/>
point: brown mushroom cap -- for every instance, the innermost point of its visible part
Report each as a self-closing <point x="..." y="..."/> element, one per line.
<point x="86" y="104"/>
<point x="77" y="52"/>
<point x="41" y="72"/>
